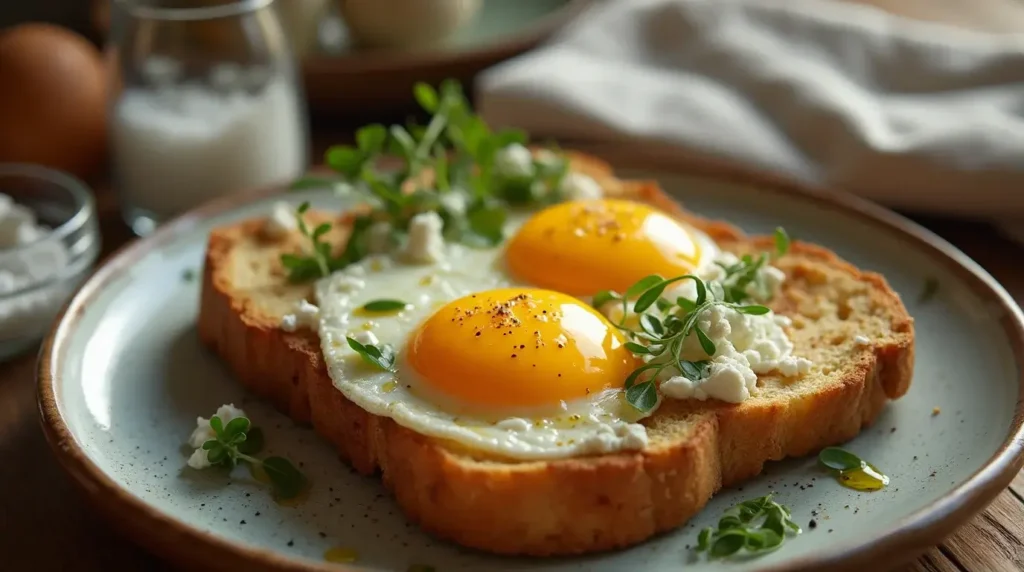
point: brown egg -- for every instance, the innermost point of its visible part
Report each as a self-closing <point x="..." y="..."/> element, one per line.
<point x="53" y="103"/>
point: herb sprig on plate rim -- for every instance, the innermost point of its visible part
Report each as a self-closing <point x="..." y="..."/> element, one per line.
<point x="455" y="154"/>
<point x="664" y="325"/>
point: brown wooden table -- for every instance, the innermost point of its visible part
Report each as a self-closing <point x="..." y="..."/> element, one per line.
<point x="46" y="525"/>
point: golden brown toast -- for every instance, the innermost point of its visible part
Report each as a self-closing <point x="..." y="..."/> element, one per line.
<point x="583" y="504"/>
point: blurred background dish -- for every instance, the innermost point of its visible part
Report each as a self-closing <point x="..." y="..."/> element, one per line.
<point x="344" y="78"/>
<point x="363" y="56"/>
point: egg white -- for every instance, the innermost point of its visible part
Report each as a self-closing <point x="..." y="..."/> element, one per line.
<point x="600" y="423"/>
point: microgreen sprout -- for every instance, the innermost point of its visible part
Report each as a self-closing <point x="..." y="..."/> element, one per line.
<point x="238" y="441"/>
<point x="756" y="526"/>
<point x="454" y="153"/>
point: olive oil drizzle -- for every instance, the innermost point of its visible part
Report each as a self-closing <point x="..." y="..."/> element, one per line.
<point x="341" y="555"/>
<point x="851" y="471"/>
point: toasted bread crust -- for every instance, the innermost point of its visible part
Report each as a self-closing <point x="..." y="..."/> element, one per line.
<point x="574" y="505"/>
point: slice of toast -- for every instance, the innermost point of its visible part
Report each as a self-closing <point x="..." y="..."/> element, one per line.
<point x="584" y="504"/>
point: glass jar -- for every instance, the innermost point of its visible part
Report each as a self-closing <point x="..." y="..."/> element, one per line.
<point x="207" y="102"/>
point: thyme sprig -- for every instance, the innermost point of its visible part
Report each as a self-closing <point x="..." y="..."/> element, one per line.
<point x="664" y="325"/>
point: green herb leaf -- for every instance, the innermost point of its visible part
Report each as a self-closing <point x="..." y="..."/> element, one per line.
<point x="406" y="144"/>
<point x="426" y="96"/>
<point x="384" y="305"/>
<point x="253" y="443"/>
<point x="218" y="426"/>
<point x="705" y="342"/>
<point x="371" y="139"/>
<point x="686" y="304"/>
<point x="487" y="221"/>
<point x="287" y="480"/>
<point x="217" y="454"/>
<point x="648" y="298"/>
<point x="643" y="396"/>
<point x="642" y="285"/>
<point x="346" y="160"/>
<point x="839" y="459"/>
<point x="727" y="544"/>
<point x="781" y="242"/>
<point x="235" y="430"/>
<point x="382" y="357"/>
<point x="651" y="325"/>
<point x="637" y="348"/>
<point x="753" y="309"/>
<point x="756" y="526"/>
<point x="603" y="297"/>
<point x="695" y="370"/>
<point x="704" y="539"/>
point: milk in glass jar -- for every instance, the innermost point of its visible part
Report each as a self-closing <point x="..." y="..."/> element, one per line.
<point x="208" y="103"/>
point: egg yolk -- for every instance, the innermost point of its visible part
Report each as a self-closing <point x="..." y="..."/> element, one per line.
<point x="581" y="247"/>
<point x="517" y="347"/>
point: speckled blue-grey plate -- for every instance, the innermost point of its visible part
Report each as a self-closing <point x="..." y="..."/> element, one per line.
<point x="123" y="377"/>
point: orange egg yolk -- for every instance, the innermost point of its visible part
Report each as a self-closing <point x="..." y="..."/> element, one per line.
<point x="516" y="347"/>
<point x="582" y="247"/>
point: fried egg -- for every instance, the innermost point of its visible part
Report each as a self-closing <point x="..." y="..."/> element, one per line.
<point x="497" y="348"/>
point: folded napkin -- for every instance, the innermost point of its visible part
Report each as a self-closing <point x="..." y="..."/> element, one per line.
<point x="916" y="115"/>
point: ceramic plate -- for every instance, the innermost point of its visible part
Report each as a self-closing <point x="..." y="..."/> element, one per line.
<point x="340" y="78"/>
<point x="123" y="377"/>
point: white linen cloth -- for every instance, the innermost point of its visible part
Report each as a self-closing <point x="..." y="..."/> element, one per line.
<point x="915" y="115"/>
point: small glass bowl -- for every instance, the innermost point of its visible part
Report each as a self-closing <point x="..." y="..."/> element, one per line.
<point x="38" y="277"/>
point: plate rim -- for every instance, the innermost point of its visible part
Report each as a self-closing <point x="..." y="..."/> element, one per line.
<point x="907" y="538"/>
<point x="318" y="64"/>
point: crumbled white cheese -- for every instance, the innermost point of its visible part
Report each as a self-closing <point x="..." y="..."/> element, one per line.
<point x="204" y="432"/>
<point x="861" y="340"/>
<point x="453" y="202"/>
<point x="514" y="160"/>
<point x="281" y="220"/>
<point x="610" y="437"/>
<point x="365" y="338"/>
<point x="578" y="187"/>
<point x="347" y="284"/>
<point x="304" y="315"/>
<point x="425" y="244"/>
<point x="746" y="345"/>
<point x="378" y="238"/>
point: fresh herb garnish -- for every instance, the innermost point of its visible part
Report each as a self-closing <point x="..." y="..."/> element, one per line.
<point x="781" y="242"/>
<point x="756" y="526"/>
<point x="318" y="261"/>
<point x="383" y="305"/>
<point x="664" y="324"/>
<point x="455" y="153"/>
<point x="238" y="441"/>
<point x="382" y="357"/>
